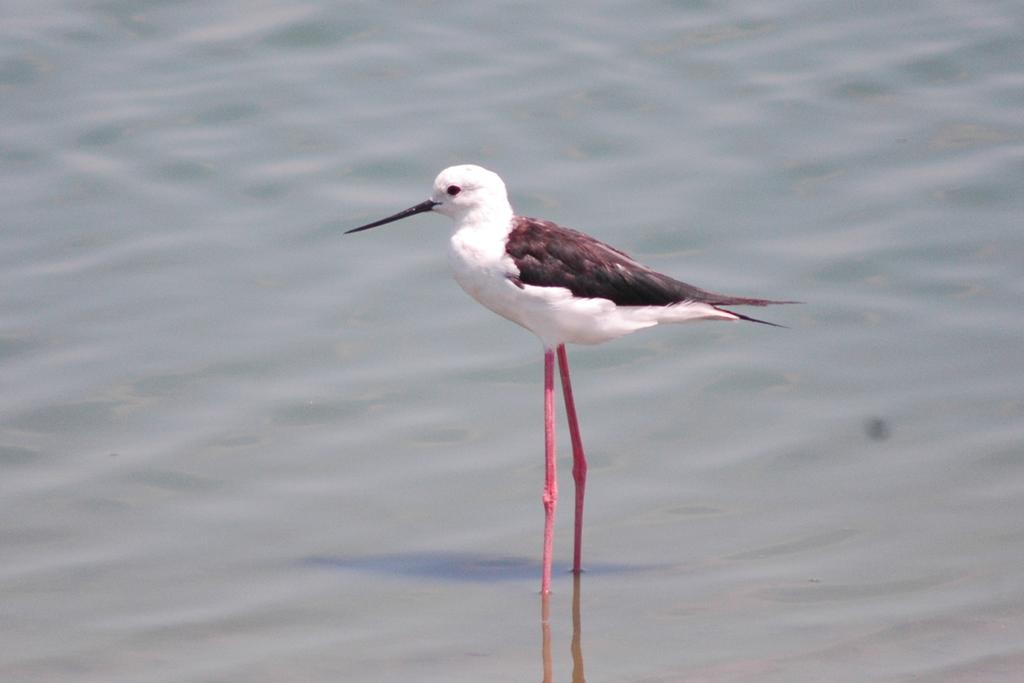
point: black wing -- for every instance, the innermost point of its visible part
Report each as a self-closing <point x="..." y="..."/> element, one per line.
<point x="549" y="255"/>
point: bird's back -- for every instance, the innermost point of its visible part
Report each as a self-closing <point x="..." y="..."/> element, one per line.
<point x="549" y="255"/>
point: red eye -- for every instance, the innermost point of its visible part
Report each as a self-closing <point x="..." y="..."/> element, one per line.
<point x="453" y="190"/>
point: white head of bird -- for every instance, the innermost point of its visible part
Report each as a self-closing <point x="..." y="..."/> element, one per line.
<point x="470" y="193"/>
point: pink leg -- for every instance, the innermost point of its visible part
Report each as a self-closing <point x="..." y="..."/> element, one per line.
<point x="550" y="497"/>
<point x="579" y="460"/>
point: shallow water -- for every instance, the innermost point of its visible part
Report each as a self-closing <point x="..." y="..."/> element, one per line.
<point x="236" y="446"/>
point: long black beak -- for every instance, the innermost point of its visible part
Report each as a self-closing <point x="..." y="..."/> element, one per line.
<point x="425" y="205"/>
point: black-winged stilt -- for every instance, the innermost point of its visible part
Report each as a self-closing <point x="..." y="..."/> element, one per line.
<point x="565" y="287"/>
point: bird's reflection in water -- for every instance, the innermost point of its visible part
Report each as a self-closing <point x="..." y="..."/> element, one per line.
<point x="545" y="635"/>
<point x="545" y="632"/>
<point x="577" y="647"/>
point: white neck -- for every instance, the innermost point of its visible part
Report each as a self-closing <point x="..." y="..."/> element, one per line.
<point x="490" y="218"/>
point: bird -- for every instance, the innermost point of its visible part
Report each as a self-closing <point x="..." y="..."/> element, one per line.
<point x="564" y="286"/>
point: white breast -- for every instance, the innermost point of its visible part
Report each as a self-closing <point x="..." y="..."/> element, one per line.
<point x="482" y="268"/>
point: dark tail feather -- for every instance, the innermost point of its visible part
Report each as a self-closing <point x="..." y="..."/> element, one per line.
<point x="719" y="300"/>
<point x="756" y="320"/>
<point x="754" y="302"/>
<point x="725" y="300"/>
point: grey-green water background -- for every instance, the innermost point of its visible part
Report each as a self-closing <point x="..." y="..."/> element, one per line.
<point x="237" y="446"/>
